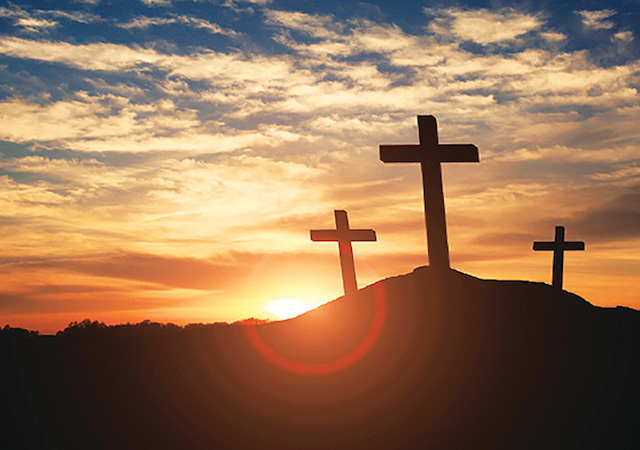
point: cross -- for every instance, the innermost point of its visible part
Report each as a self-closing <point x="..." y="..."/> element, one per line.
<point x="559" y="246"/>
<point x="344" y="236"/>
<point x="429" y="153"/>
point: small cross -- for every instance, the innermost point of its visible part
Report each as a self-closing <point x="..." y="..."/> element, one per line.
<point x="344" y="236"/>
<point x="430" y="154"/>
<point x="559" y="246"/>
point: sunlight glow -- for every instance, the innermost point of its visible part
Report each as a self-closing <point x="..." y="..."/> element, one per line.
<point x="287" y="308"/>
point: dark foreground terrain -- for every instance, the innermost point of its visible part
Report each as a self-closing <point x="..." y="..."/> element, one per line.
<point x="425" y="360"/>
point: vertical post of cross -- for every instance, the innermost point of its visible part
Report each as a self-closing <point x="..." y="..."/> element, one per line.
<point x="558" y="246"/>
<point x="558" y="258"/>
<point x="429" y="153"/>
<point x="345" y="250"/>
<point x="433" y="195"/>
<point x="344" y="236"/>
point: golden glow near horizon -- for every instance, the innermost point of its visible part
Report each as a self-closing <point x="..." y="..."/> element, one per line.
<point x="179" y="183"/>
<point x="287" y="308"/>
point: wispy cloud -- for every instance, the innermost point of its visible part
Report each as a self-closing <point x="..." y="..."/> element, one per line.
<point x="143" y="22"/>
<point x="38" y="20"/>
<point x="106" y="207"/>
<point x="596" y="20"/>
<point x="614" y="219"/>
<point x="156" y="2"/>
<point x="25" y="20"/>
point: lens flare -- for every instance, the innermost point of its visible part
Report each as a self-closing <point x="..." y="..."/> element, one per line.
<point x="329" y="366"/>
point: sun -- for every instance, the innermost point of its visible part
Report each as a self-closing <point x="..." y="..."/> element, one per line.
<point x="286" y="308"/>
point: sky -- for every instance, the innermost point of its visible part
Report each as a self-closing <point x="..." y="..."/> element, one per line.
<point x="166" y="159"/>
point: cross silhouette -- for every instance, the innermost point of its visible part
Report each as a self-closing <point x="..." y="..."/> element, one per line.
<point x="429" y="153"/>
<point x="559" y="246"/>
<point x="344" y="236"/>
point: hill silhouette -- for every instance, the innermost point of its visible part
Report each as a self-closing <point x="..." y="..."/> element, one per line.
<point x="431" y="359"/>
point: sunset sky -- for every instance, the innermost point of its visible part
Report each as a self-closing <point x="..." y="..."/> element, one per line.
<point x="166" y="159"/>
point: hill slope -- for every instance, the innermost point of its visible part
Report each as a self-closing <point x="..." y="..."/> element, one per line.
<point x="437" y="360"/>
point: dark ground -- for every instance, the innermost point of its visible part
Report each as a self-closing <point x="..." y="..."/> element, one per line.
<point x="454" y="362"/>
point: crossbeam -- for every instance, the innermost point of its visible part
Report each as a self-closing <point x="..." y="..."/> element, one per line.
<point x="558" y="246"/>
<point x="344" y="236"/>
<point x="430" y="154"/>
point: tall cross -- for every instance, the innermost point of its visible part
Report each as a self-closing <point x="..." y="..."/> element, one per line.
<point x="559" y="246"/>
<point x="344" y="236"/>
<point x="429" y="153"/>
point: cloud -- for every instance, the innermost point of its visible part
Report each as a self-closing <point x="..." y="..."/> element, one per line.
<point x="319" y="26"/>
<point x="157" y="2"/>
<point x="39" y="20"/>
<point x="33" y="25"/>
<point x="523" y="74"/>
<point x="530" y="95"/>
<point x="624" y="176"/>
<point x="107" y="57"/>
<point x="75" y="16"/>
<point x="225" y="69"/>
<point x="43" y="299"/>
<point x="564" y="153"/>
<point x="553" y="36"/>
<point x="187" y="206"/>
<point x="595" y="20"/>
<point x="616" y="219"/>
<point x="143" y="22"/>
<point x="23" y="19"/>
<point x="166" y="271"/>
<point x="337" y="109"/>
<point x="297" y="86"/>
<point x="163" y="272"/>
<point x="484" y="26"/>
<point x="206" y="25"/>
<point x="623" y="36"/>
<point x="113" y="123"/>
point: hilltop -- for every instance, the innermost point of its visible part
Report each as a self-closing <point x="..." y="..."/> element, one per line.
<point x="425" y="360"/>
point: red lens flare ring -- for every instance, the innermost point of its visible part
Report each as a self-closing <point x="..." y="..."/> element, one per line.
<point x="330" y="366"/>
